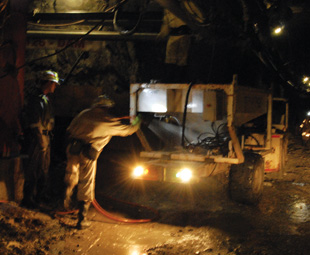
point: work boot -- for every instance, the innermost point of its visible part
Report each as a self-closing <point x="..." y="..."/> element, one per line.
<point x="82" y="219"/>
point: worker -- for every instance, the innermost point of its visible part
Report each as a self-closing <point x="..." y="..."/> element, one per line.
<point x="38" y="123"/>
<point x="88" y="133"/>
<point x="177" y="48"/>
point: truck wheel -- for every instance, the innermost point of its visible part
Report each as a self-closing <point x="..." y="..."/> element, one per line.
<point x="246" y="180"/>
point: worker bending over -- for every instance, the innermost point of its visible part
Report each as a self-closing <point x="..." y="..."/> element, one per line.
<point x="89" y="132"/>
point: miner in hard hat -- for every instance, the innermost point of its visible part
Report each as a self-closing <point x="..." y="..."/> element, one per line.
<point x="38" y="123"/>
<point x="89" y="132"/>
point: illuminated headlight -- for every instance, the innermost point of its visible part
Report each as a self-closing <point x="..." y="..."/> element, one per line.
<point x="139" y="171"/>
<point x="301" y="126"/>
<point x="185" y="175"/>
<point x="305" y="134"/>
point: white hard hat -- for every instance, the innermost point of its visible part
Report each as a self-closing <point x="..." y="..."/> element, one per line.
<point x="103" y="101"/>
<point x="50" y="75"/>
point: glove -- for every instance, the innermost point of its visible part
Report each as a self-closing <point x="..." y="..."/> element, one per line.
<point x="137" y="120"/>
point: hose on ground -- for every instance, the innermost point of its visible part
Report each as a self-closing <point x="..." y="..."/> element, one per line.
<point x="114" y="217"/>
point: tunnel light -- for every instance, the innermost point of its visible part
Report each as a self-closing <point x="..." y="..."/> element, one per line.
<point x="278" y="29"/>
<point x="305" y="79"/>
<point x="139" y="171"/>
<point x="185" y="175"/>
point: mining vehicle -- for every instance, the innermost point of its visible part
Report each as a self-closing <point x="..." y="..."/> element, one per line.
<point x="194" y="131"/>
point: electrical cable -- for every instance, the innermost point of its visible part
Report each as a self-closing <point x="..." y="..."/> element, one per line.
<point x="125" y="32"/>
<point x="185" y="112"/>
<point x="57" y="52"/>
<point x="73" y="67"/>
<point x="133" y="30"/>
<point x="212" y="140"/>
<point x="63" y="49"/>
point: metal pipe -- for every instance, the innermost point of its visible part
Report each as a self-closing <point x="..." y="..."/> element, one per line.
<point x="94" y="35"/>
<point x="269" y="122"/>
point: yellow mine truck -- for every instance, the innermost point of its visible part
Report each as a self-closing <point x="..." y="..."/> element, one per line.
<point x="194" y="131"/>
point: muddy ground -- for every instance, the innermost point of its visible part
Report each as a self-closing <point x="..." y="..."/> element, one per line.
<point x="185" y="220"/>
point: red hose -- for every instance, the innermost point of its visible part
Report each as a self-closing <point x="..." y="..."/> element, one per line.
<point x="67" y="212"/>
<point x="113" y="217"/>
<point x="120" y="219"/>
<point x="107" y="214"/>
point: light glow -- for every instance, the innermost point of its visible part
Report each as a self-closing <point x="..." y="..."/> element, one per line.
<point x="139" y="171"/>
<point x="278" y="30"/>
<point x="185" y="175"/>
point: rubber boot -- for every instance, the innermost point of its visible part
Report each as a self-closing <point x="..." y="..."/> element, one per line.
<point x="82" y="219"/>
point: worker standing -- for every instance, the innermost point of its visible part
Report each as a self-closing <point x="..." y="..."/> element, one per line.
<point x="38" y="122"/>
<point x="89" y="132"/>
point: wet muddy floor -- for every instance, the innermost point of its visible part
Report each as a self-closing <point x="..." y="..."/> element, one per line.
<point x="178" y="219"/>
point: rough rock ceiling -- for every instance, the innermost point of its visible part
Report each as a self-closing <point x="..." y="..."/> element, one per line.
<point x="247" y="23"/>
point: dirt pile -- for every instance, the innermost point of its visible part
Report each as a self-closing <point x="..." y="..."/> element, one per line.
<point x="28" y="232"/>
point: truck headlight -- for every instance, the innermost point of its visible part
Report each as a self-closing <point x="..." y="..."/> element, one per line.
<point x="139" y="171"/>
<point x="185" y="174"/>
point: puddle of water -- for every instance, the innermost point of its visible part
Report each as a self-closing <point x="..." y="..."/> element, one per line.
<point x="119" y="239"/>
<point x="299" y="184"/>
<point x="299" y="212"/>
<point x="136" y="250"/>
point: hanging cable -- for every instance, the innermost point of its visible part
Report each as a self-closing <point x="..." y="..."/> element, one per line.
<point x="57" y="52"/>
<point x="122" y="31"/>
<point x="73" y="67"/>
<point x="185" y="112"/>
<point x="133" y="30"/>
